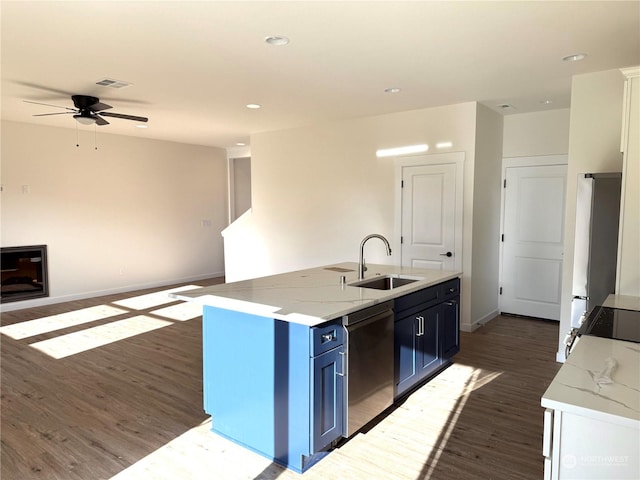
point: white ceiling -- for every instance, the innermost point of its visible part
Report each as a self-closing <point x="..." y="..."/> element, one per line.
<point x="195" y="65"/>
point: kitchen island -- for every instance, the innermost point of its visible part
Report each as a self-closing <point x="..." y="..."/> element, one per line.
<point x="276" y="351"/>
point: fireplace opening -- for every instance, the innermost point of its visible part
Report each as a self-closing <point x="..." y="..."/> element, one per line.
<point x="24" y="273"/>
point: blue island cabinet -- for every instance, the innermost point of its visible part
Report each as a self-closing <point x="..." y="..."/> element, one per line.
<point x="272" y="386"/>
<point x="426" y="334"/>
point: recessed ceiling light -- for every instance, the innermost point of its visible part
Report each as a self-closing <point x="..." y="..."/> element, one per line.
<point x="392" y="90"/>
<point x="253" y="106"/>
<point x="444" y="144"/>
<point x="505" y="106"/>
<point x="276" y="40"/>
<point x="546" y="102"/>
<point x="141" y="125"/>
<point x="240" y="144"/>
<point x="576" y="57"/>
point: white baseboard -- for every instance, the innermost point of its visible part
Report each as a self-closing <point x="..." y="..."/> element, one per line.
<point x="51" y="300"/>
<point x="479" y="323"/>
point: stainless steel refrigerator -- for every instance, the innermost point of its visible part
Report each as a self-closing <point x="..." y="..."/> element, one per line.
<point x="596" y="241"/>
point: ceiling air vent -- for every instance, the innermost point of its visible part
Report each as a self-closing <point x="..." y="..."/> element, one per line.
<point x="111" y="83"/>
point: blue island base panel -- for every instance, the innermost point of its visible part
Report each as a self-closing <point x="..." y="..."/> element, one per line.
<point x="298" y="465"/>
<point x="257" y="385"/>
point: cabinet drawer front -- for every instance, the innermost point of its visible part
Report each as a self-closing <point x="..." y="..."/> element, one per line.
<point x="326" y="337"/>
<point x="422" y="299"/>
<point x="450" y="289"/>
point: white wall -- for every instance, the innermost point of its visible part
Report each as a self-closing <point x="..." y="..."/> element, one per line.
<point x="486" y="215"/>
<point x="124" y="216"/>
<point x="594" y="146"/>
<point x="318" y="190"/>
<point x="538" y="133"/>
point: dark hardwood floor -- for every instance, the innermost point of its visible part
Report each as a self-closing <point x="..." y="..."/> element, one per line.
<point x="132" y="408"/>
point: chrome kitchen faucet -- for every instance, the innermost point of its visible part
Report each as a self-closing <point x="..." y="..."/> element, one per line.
<point x="361" y="265"/>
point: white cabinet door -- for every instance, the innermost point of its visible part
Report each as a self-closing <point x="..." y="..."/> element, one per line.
<point x="533" y="240"/>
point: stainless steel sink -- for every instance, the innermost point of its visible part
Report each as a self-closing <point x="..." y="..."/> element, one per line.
<point x="385" y="282"/>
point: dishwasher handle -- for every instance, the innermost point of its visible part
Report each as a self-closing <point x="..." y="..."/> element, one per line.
<point x="369" y="320"/>
<point x="367" y="313"/>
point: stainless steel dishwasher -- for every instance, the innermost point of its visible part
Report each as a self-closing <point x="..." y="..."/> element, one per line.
<point x="369" y="365"/>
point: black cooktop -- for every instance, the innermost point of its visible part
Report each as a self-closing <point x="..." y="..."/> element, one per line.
<point x="614" y="323"/>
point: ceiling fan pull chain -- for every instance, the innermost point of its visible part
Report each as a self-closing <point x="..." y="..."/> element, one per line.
<point x="95" y="136"/>
<point x="77" y="139"/>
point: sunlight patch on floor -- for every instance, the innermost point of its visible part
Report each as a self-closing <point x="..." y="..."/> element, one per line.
<point x="417" y="432"/>
<point x="57" y="322"/>
<point x="77" y="342"/>
<point x="197" y="454"/>
<point x="150" y="300"/>
<point x="181" y="312"/>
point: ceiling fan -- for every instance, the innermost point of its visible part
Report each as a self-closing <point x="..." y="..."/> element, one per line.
<point x="89" y="110"/>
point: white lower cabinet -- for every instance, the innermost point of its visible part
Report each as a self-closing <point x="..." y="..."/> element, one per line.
<point x="592" y="413"/>
<point x="579" y="447"/>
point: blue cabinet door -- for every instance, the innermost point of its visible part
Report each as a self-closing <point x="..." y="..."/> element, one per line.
<point x="328" y="398"/>
<point x="406" y="353"/>
<point x="450" y="328"/>
<point x="429" y="341"/>
<point x="417" y="347"/>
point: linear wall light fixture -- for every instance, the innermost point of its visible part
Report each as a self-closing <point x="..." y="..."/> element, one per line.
<point x="392" y="152"/>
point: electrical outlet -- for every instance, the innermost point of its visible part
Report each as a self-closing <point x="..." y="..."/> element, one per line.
<point x="205" y="223"/>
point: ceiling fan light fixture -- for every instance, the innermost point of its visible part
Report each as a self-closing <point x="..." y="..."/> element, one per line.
<point x="85" y="119"/>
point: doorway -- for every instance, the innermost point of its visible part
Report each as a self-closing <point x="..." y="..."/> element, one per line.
<point x="532" y="239"/>
<point x="430" y="216"/>
<point x="239" y="187"/>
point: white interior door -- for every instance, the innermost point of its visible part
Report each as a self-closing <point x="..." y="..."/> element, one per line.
<point x="532" y="249"/>
<point x="429" y="206"/>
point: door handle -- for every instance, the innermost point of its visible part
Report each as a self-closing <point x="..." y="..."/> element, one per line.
<point x="448" y="254"/>
<point x="420" y="326"/>
<point x="341" y="374"/>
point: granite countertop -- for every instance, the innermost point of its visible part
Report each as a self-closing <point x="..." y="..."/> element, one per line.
<point x="311" y="296"/>
<point x="601" y="380"/>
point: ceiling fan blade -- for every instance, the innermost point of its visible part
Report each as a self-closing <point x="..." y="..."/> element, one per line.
<point x="49" y="105"/>
<point x="100" y="120"/>
<point x="99" y="106"/>
<point x="57" y="113"/>
<point x="45" y="88"/>
<point x="125" y="117"/>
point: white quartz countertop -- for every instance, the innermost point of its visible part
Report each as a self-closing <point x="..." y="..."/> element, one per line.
<point x="625" y="302"/>
<point x="600" y="379"/>
<point x="314" y="295"/>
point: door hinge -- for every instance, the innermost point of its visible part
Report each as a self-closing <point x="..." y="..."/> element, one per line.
<point x="502" y="237"/>
<point x="504" y="184"/>
<point x="401" y="183"/>
<point x="500" y="290"/>
<point x="401" y="240"/>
